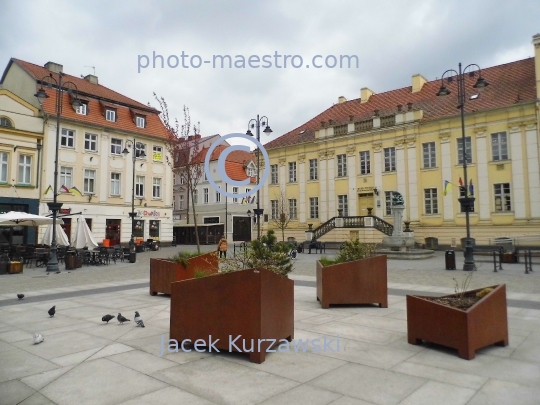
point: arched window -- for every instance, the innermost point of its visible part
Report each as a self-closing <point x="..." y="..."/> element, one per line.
<point x="5" y="122"/>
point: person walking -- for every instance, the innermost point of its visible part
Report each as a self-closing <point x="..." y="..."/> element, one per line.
<point x="222" y="247"/>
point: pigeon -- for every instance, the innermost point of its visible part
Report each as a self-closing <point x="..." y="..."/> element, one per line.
<point x="38" y="338"/>
<point x="138" y="319"/>
<point x="20" y="296"/>
<point x="121" y="318"/>
<point x="52" y="311"/>
<point x="107" y="318"/>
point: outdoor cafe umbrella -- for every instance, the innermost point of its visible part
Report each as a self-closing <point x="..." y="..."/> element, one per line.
<point x="61" y="237"/>
<point x="83" y="235"/>
<point x="14" y="218"/>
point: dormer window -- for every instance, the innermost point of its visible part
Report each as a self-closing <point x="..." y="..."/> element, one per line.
<point x="251" y="172"/>
<point x="140" y="121"/>
<point x="110" y="115"/>
<point x="82" y="109"/>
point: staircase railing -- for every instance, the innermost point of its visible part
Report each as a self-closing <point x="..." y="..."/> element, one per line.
<point x="354" y="222"/>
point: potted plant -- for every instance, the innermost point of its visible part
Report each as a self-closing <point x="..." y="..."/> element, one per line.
<point x="251" y="302"/>
<point x="356" y="276"/>
<point x="466" y="320"/>
<point x="182" y="266"/>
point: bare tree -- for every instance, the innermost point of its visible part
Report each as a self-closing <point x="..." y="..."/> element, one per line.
<point x="282" y="217"/>
<point x="183" y="148"/>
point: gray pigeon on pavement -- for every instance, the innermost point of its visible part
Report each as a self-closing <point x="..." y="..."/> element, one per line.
<point x="52" y="311"/>
<point x="121" y="318"/>
<point x="138" y="319"/>
<point x="38" y="338"/>
<point x="107" y="318"/>
<point x="20" y="296"/>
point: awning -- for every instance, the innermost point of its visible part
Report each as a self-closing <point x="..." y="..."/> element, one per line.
<point x="193" y="225"/>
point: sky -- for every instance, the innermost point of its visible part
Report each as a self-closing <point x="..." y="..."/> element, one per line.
<point x="392" y="41"/>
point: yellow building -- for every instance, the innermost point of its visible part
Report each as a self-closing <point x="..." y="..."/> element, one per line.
<point x="353" y="155"/>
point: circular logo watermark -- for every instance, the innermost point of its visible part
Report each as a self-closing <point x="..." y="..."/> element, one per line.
<point x="221" y="165"/>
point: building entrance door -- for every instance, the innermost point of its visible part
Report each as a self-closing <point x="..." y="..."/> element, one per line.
<point x="241" y="229"/>
<point x="67" y="227"/>
<point x="365" y="201"/>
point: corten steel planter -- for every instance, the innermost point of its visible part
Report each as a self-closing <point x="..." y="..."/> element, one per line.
<point x="362" y="281"/>
<point x="483" y="324"/>
<point x="255" y="304"/>
<point x="163" y="271"/>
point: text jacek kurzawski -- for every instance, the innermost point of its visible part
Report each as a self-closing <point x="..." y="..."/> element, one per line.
<point x="237" y="344"/>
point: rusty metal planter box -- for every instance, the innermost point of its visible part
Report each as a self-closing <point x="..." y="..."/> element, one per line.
<point x="362" y="281"/>
<point x="15" y="267"/>
<point x="483" y="324"/>
<point x="253" y="304"/>
<point x="163" y="271"/>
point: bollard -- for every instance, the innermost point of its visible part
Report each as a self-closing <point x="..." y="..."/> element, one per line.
<point x="500" y="259"/>
<point x="530" y="261"/>
<point x="495" y="262"/>
<point x="526" y="257"/>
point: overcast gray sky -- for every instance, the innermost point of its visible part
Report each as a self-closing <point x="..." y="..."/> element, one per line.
<point x="392" y="39"/>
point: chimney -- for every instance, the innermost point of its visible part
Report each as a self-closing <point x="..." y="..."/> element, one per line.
<point x="409" y="106"/>
<point x="54" y="67"/>
<point x="341" y="100"/>
<point x="418" y="82"/>
<point x="399" y="106"/>
<point x="536" y="43"/>
<point x="91" y="78"/>
<point x="365" y="94"/>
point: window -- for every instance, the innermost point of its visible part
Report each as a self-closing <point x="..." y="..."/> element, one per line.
<point x="313" y="169"/>
<point x="274" y="209"/>
<point x="89" y="181"/>
<point x="157" y="155"/>
<point x="139" y="149"/>
<point x="251" y="172"/>
<point x="181" y="202"/>
<point x="140" y="121"/>
<point x="139" y="186"/>
<point x="292" y="208"/>
<point x="390" y="159"/>
<point x="274" y="174"/>
<point x="205" y="195"/>
<point x="468" y="150"/>
<point x="248" y="190"/>
<point x="90" y="142"/>
<point x="205" y="176"/>
<point x="342" y="165"/>
<point x="387" y="203"/>
<point x="5" y="122"/>
<point x="195" y="196"/>
<point x="218" y="197"/>
<point x="116" y="146"/>
<point x="115" y="184"/>
<point x="174" y="202"/>
<point x="110" y="115"/>
<point x="430" y="201"/>
<point x="503" y="202"/>
<point x="182" y="179"/>
<point x="156" y="187"/>
<point x="343" y="205"/>
<point x="292" y="172"/>
<point x="462" y="191"/>
<point x="3" y="167"/>
<point x="67" y="139"/>
<point x="365" y="162"/>
<point x="313" y="207"/>
<point x="66" y="176"/>
<point x="499" y="146"/>
<point x="25" y="166"/>
<point x="428" y="150"/>
<point x="82" y="109"/>
<point x="235" y="191"/>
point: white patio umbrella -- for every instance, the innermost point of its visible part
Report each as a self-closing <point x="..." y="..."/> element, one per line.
<point x="61" y="237"/>
<point x="14" y="218"/>
<point x="83" y="235"/>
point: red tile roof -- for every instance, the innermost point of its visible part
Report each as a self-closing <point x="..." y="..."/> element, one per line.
<point x="236" y="171"/>
<point x="234" y="163"/>
<point x="98" y="97"/>
<point x="509" y="83"/>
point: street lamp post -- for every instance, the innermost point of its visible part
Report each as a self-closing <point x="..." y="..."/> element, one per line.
<point x="133" y="214"/>
<point x="467" y="201"/>
<point x="52" y="264"/>
<point x="257" y="123"/>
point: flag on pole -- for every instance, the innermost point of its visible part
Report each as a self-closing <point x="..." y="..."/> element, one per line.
<point x="64" y="188"/>
<point x="471" y="188"/>
<point x="447" y="186"/>
<point x="75" y="190"/>
<point x="48" y="189"/>
<point x="460" y="181"/>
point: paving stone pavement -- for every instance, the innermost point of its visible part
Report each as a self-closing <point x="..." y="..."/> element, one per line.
<point x="84" y="361"/>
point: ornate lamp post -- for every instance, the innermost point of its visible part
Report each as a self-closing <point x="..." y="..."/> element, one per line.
<point x="467" y="201"/>
<point x="133" y="214"/>
<point x="257" y="123"/>
<point x="71" y="88"/>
